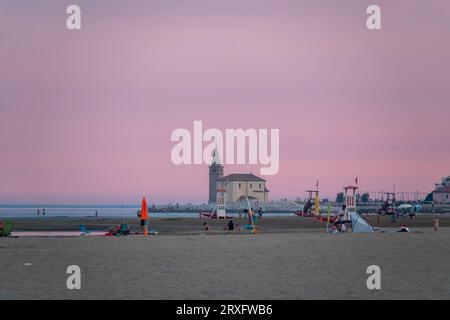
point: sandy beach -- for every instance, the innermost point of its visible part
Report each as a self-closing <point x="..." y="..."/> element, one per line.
<point x="291" y="259"/>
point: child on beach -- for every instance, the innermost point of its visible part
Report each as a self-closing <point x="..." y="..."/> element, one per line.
<point x="436" y="223"/>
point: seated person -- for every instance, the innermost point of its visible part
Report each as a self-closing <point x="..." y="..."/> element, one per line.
<point x="113" y="230"/>
<point x="404" y="228"/>
<point x="205" y="226"/>
<point x="229" y="226"/>
<point x="124" y="229"/>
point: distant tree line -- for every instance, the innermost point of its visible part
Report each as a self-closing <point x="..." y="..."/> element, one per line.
<point x="365" y="197"/>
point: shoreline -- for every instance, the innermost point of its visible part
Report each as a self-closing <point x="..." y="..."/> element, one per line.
<point x="183" y="225"/>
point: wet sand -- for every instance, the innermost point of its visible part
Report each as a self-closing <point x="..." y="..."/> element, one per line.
<point x="291" y="259"/>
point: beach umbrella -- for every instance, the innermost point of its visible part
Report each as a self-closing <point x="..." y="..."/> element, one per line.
<point x="144" y="214"/>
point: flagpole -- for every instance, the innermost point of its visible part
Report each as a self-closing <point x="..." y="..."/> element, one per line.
<point x="328" y="215"/>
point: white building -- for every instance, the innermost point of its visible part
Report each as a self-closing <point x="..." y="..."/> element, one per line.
<point x="441" y="194"/>
<point x="238" y="186"/>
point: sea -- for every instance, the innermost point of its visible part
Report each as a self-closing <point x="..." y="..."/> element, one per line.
<point x="90" y="211"/>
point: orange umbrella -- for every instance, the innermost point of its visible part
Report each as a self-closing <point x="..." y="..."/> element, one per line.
<point x="144" y="214"/>
<point x="144" y="210"/>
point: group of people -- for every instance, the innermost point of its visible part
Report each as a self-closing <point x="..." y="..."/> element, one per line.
<point x="340" y="227"/>
<point x="230" y="226"/>
<point x="39" y="211"/>
<point x="339" y="224"/>
<point x="121" y="229"/>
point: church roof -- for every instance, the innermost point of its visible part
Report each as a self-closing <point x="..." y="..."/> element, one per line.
<point x="241" y="177"/>
<point x="443" y="190"/>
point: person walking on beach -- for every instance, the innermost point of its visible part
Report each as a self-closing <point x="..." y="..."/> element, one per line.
<point x="96" y="214"/>
<point x="43" y="212"/>
<point x="436" y="223"/>
<point x="38" y="212"/>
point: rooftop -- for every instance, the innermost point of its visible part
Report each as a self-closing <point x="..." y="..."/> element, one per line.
<point x="442" y="190"/>
<point x="241" y="177"/>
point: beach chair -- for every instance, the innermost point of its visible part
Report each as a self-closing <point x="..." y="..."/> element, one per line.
<point x="7" y="229"/>
<point x="83" y="229"/>
<point x="251" y="229"/>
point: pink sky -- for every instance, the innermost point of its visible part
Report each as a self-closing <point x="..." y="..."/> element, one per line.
<point x="86" y="116"/>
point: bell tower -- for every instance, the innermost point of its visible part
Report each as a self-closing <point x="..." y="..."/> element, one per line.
<point x="215" y="173"/>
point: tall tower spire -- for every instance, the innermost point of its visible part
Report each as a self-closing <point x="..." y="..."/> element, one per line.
<point x="215" y="173"/>
<point x="216" y="159"/>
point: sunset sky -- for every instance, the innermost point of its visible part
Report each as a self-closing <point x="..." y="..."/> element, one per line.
<point x="86" y="116"/>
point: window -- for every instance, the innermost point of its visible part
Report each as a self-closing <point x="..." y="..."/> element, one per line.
<point x="260" y="185"/>
<point x="251" y="186"/>
<point x="239" y="185"/>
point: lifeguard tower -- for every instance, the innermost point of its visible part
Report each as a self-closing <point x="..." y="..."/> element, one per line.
<point x="359" y="224"/>
<point x="350" y="194"/>
<point x="390" y="203"/>
<point x="388" y="207"/>
<point x="220" y="203"/>
<point x="219" y="211"/>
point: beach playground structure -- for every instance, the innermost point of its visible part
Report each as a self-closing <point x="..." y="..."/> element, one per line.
<point x="312" y="205"/>
<point x="359" y="224"/>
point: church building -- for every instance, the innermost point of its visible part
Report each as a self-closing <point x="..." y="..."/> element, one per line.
<point x="238" y="186"/>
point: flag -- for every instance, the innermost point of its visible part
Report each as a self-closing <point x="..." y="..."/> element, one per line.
<point x="317" y="205"/>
